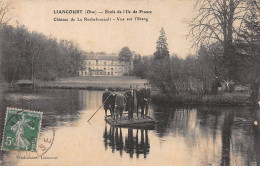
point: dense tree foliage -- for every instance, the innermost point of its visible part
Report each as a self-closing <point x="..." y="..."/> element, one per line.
<point x="31" y="55"/>
<point x="197" y="73"/>
<point x="227" y="38"/>
<point x="140" y="66"/>
<point x="125" y="54"/>
<point x="248" y="50"/>
<point x="234" y="26"/>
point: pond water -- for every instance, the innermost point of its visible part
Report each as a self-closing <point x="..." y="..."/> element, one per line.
<point x="182" y="136"/>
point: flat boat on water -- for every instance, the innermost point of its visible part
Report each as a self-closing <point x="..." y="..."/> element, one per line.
<point x="137" y="122"/>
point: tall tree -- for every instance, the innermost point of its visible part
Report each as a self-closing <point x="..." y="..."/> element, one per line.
<point x="161" y="46"/>
<point x="125" y="54"/>
<point x="4" y="19"/>
<point x="248" y="46"/>
<point x="216" y="22"/>
<point x="205" y="67"/>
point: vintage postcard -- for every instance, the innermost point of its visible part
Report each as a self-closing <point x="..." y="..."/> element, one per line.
<point x="129" y="82"/>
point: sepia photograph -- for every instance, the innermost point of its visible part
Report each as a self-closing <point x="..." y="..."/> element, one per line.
<point x="129" y="82"/>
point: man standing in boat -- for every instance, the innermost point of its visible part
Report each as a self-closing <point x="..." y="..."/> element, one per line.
<point x="146" y="96"/>
<point x="130" y="102"/>
<point x="111" y="101"/>
<point x="120" y="102"/>
<point x="105" y="100"/>
<point x="140" y="100"/>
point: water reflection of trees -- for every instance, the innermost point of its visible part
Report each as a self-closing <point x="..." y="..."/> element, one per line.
<point x="164" y="116"/>
<point x="60" y="107"/>
<point x="244" y="137"/>
<point x="172" y="120"/>
<point x="208" y="118"/>
<point x="256" y="130"/>
<point x="236" y="127"/>
<point x="135" y="141"/>
<point x="230" y="128"/>
<point x="226" y="137"/>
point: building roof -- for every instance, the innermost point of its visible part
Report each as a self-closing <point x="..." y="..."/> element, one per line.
<point x="103" y="57"/>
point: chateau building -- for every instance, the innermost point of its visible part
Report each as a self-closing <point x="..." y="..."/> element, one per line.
<point x="105" y="65"/>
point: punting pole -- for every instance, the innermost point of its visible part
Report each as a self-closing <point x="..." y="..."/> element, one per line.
<point x="99" y="108"/>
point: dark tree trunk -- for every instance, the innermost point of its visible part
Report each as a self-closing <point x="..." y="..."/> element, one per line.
<point x="228" y="55"/>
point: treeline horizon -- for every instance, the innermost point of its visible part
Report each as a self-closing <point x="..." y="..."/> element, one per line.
<point x="34" y="56"/>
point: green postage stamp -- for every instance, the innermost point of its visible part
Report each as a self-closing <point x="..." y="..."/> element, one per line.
<point x="21" y="129"/>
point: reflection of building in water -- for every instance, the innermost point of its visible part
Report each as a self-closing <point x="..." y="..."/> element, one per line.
<point x="136" y="141"/>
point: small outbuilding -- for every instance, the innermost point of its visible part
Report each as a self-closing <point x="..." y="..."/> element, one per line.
<point x="24" y="83"/>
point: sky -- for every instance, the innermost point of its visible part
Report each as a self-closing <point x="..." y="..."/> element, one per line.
<point x="110" y="37"/>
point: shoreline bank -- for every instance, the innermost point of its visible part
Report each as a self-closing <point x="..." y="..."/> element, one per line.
<point x="221" y="99"/>
<point x="236" y="98"/>
<point x="83" y="88"/>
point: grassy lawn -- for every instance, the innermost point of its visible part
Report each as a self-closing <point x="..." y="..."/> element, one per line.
<point x="97" y="82"/>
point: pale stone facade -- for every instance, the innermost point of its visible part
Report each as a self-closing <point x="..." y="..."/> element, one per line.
<point x="105" y="66"/>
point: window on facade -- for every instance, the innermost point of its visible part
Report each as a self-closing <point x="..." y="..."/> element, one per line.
<point x="104" y="68"/>
<point x="108" y="73"/>
<point x="96" y="62"/>
<point x="112" y="68"/>
<point x="105" y="73"/>
<point x="101" y="73"/>
<point x="96" y="73"/>
<point x="111" y="73"/>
